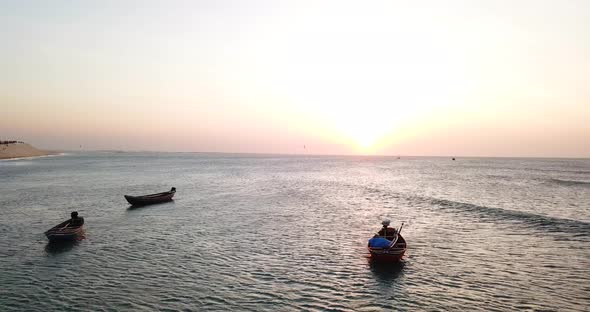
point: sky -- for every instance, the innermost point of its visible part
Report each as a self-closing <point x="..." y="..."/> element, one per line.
<point x="448" y="78"/>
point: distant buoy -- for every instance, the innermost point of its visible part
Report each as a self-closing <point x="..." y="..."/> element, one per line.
<point x="453" y="158"/>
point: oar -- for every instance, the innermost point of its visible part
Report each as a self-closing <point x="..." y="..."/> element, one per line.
<point x="393" y="241"/>
<point x="396" y="237"/>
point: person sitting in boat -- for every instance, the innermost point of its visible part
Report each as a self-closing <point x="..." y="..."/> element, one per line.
<point x="76" y="221"/>
<point x="386" y="231"/>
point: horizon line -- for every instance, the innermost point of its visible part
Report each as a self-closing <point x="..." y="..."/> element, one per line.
<point x="321" y="155"/>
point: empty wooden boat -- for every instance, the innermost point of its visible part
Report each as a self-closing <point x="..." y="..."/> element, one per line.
<point x="151" y="199"/>
<point x="388" y="244"/>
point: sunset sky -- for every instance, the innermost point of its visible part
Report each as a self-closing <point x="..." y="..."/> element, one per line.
<point x="461" y="78"/>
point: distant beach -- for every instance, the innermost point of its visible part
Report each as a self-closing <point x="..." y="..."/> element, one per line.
<point x="18" y="149"/>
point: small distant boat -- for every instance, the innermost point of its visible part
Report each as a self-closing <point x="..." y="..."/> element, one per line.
<point x="65" y="231"/>
<point x="151" y="199"/>
<point x="388" y="245"/>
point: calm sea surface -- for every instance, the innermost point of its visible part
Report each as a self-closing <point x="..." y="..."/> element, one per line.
<point x="281" y="233"/>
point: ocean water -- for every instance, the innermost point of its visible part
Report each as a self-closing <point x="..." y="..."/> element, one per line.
<point x="289" y="233"/>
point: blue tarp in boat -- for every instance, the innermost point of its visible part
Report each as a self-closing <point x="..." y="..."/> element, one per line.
<point x="379" y="242"/>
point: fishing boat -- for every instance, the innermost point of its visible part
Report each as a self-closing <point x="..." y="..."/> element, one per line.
<point x="388" y="244"/>
<point x="66" y="231"/>
<point x="151" y="199"/>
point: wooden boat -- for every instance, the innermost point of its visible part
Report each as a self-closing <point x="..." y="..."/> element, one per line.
<point x="151" y="199"/>
<point x="65" y="232"/>
<point x="393" y="245"/>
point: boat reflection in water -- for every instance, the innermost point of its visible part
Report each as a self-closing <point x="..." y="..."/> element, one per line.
<point x="57" y="247"/>
<point x="384" y="271"/>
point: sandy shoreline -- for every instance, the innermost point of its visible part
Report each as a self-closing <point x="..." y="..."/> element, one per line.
<point x="21" y="150"/>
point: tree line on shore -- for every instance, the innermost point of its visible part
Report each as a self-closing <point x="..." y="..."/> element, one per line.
<point x="11" y="142"/>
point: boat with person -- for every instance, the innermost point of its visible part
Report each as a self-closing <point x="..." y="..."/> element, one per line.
<point x="69" y="230"/>
<point x="388" y="244"/>
<point x="151" y="198"/>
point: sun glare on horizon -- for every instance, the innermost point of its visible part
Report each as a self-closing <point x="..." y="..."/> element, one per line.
<point x="365" y="93"/>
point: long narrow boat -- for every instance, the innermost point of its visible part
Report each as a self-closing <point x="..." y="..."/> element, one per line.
<point x="151" y="199"/>
<point x="65" y="232"/>
<point x="388" y="245"/>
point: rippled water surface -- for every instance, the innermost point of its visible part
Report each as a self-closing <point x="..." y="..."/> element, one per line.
<point x="258" y="233"/>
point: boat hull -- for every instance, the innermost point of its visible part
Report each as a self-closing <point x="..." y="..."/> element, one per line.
<point x="62" y="232"/>
<point x="393" y="254"/>
<point x="386" y="255"/>
<point x="150" y="199"/>
<point x="62" y="236"/>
